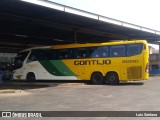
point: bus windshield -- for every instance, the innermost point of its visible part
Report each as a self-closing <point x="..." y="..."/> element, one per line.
<point x="20" y="59"/>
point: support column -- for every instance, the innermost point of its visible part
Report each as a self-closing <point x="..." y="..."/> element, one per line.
<point x="159" y="58"/>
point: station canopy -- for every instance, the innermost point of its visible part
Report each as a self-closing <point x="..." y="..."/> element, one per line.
<point x="25" y="24"/>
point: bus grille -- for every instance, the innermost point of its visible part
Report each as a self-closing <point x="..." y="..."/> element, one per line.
<point x="134" y="72"/>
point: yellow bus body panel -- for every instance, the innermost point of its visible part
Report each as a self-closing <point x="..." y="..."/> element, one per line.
<point x="130" y="68"/>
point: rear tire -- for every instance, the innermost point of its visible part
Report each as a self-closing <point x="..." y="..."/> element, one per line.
<point x="31" y="77"/>
<point x="112" y="78"/>
<point x="97" y="78"/>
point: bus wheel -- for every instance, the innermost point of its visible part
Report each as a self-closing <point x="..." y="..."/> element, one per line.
<point x="112" y="78"/>
<point x="97" y="78"/>
<point x="31" y="77"/>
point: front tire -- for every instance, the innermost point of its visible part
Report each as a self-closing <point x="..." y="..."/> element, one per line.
<point x="31" y="77"/>
<point x="97" y="78"/>
<point x="112" y="78"/>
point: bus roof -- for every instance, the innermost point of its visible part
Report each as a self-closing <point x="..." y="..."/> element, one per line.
<point x="75" y="45"/>
<point x="34" y="48"/>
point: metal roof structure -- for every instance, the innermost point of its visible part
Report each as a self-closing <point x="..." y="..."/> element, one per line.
<point x="24" y="24"/>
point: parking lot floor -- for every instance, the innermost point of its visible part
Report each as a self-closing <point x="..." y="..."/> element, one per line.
<point x="51" y="96"/>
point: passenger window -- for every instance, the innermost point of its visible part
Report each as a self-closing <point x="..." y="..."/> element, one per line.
<point x="118" y="51"/>
<point x="99" y="52"/>
<point x="134" y="49"/>
<point x="102" y="51"/>
<point x="93" y="52"/>
<point x="49" y="54"/>
<point x="82" y="53"/>
<point x="70" y="53"/>
<point x="35" y="56"/>
<point x="63" y="54"/>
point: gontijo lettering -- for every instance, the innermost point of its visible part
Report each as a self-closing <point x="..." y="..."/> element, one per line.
<point x="92" y="62"/>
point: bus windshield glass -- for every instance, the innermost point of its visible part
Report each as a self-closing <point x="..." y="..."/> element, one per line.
<point x="20" y="59"/>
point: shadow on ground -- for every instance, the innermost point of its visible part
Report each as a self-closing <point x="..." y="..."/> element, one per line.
<point x="121" y="84"/>
<point x="23" y="85"/>
<point x="130" y="84"/>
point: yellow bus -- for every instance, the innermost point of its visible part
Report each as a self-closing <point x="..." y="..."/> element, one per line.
<point x="110" y="62"/>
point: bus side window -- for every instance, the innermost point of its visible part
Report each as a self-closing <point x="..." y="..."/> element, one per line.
<point x="82" y="53"/>
<point x="70" y="53"/>
<point x="118" y="51"/>
<point x="63" y="54"/>
<point x="93" y="53"/>
<point x="34" y="56"/>
<point x="134" y="49"/>
<point x="74" y="53"/>
<point x="98" y="52"/>
<point x="102" y="51"/>
<point x="48" y="54"/>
